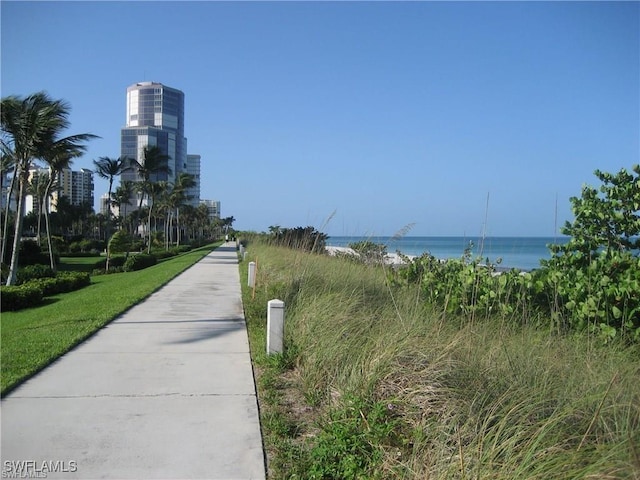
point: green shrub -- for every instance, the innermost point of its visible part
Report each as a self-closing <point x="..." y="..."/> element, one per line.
<point x="351" y="442"/>
<point x="32" y="254"/>
<point x="70" y="281"/>
<point x="120" y="242"/>
<point x="48" y="286"/>
<point x="469" y="286"/>
<point x="31" y="272"/>
<point x="180" y="249"/>
<point x="369" y="252"/>
<point x="85" y="246"/>
<point x="139" y="261"/>
<point x="594" y="279"/>
<point x="161" y="254"/>
<point x="307" y="239"/>
<point x="74" y="247"/>
<point x="18" y="297"/>
<point x="64" y="282"/>
<point x="172" y="252"/>
<point x="114" y="263"/>
<point x="137" y="245"/>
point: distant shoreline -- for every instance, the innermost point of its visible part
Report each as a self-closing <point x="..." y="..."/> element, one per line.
<point x="522" y="253"/>
<point x="389" y="258"/>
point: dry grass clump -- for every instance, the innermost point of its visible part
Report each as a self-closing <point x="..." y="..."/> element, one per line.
<point x="462" y="399"/>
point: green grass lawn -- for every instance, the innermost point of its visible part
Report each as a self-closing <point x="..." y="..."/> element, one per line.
<point x="78" y="264"/>
<point x="34" y="337"/>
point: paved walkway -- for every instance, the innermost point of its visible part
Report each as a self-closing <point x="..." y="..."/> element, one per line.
<point x="166" y="391"/>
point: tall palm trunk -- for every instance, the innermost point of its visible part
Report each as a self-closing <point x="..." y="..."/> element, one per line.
<point x="178" y="226"/>
<point x="149" y="225"/>
<point x="45" y="204"/>
<point x="17" y="236"/>
<point x="7" y="210"/>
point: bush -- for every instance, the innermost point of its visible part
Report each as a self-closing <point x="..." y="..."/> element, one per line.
<point x="181" y="249"/>
<point x="350" y="444"/>
<point x="71" y="281"/>
<point x="162" y="254"/>
<point x="369" y="252"/>
<point x="31" y="272"/>
<point x="32" y="254"/>
<point x="139" y="262"/>
<point x="594" y="279"/>
<point x="307" y="239"/>
<point x="63" y="283"/>
<point x="114" y="263"/>
<point x="18" y="297"/>
<point x="120" y="242"/>
<point x="85" y="246"/>
<point x="137" y="245"/>
<point x="48" y="286"/>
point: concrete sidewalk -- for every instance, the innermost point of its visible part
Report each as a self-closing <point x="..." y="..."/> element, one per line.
<point x="166" y="391"/>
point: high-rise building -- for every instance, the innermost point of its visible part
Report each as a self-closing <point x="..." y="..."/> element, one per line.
<point x="213" y="208"/>
<point x="104" y="206"/>
<point x="76" y="185"/>
<point x="155" y="117"/>
<point x="193" y="169"/>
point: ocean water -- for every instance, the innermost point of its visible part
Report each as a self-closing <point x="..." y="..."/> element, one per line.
<point x="524" y="253"/>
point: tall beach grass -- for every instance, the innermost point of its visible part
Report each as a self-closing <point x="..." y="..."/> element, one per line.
<point x="375" y="383"/>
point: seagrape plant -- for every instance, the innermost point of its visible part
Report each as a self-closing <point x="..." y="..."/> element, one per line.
<point x="470" y="286"/>
<point x="592" y="282"/>
<point x="594" y="279"/>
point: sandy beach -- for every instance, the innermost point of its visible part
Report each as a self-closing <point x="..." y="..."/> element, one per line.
<point x="389" y="258"/>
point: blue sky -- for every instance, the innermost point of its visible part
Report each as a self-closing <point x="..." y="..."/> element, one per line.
<point x="382" y="113"/>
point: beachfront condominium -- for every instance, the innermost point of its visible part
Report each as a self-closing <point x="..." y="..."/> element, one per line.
<point x="213" y="208"/>
<point x="76" y="185"/>
<point x="155" y="117"/>
<point x="193" y="169"/>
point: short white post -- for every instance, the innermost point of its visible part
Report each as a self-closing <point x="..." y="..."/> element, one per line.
<point x="252" y="274"/>
<point x="275" y="326"/>
<point x="241" y="249"/>
<point x="244" y="255"/>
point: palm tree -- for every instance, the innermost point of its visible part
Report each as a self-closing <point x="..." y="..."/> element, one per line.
<point x="154" y="190"/>
<point x="227" y="223"/>
<point x="203" y="222"/>
<point x="154" y="163"/>
<point x="109" y="168"/>
<point x="178" y="196"/>
<point x="58" y="157"/>
<point x="30" y="127"/>
<point x="196" y="220"/>
<point x="122" y="197"/>
<point x="35" y="188"/>
<point x="6" y="165"/>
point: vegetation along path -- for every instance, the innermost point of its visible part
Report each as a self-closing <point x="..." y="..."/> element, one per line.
<point x="164" y="391"/>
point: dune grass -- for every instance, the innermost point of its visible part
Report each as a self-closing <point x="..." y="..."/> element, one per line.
<point x="34" y="337"/>
<point x="376" y="384"/>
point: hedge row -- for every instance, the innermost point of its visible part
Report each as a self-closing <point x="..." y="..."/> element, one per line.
<point x="17" y="297"/>
<point x="31" y="293"/>
<point x="139" y="261"/>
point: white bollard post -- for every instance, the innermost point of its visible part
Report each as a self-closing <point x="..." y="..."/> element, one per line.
<point x="252" y="274"/>
<point x="275" y="326"/>
<point x="244" y="255"/>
